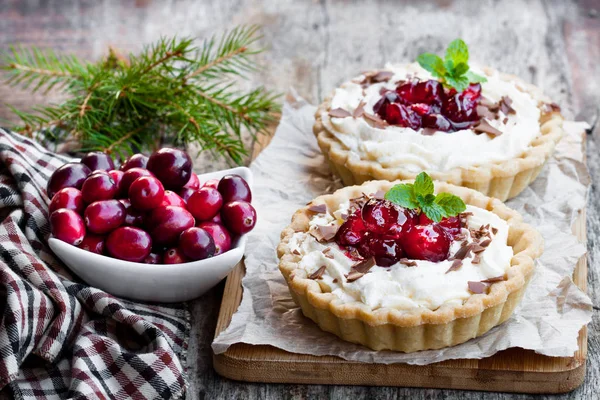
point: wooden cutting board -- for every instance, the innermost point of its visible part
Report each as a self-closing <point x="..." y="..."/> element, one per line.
<point x="512" y="370"/>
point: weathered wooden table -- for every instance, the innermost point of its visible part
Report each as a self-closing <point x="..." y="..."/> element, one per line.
<point x="313" y="46"/>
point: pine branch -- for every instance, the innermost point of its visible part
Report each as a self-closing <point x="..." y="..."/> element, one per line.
<point x="170" y="91"/>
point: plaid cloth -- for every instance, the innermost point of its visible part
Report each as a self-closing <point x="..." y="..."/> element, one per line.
<point x="60" y="338"/>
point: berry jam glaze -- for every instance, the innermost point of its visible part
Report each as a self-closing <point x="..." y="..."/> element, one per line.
<point x="426" y="104"/>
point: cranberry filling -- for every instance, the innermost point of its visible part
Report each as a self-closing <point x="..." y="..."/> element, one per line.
<point x="426" y="104"/>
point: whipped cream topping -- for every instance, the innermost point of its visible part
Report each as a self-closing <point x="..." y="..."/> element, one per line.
<point x="395" y="146"/>
<point x="426" y="285"/>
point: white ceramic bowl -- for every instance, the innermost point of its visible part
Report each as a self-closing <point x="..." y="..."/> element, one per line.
<point x="152" y="282"/>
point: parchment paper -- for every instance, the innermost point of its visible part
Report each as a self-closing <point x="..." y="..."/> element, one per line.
<point x="291" y="171"/>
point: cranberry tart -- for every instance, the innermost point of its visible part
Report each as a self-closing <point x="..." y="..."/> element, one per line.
<point x="483" y="129"/>
<point x="387" y="276"/>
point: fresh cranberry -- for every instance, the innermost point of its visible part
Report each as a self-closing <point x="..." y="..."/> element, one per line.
<point x="146" y="193"/>
<point x="406" y="220"/>
<point x="399" y="114"/>
<point x="450" y="224"/>
<point x="437" y="122"/>
<point x="117" y="176"/>
<point x="129" y="244"/>
<point x="98" y="160"/>
<point x="220" y="235"/>
<point x="380" y="216"/>
<point x="133" y="217"/>
<point x="166" y="223"/>
<point x="174" y="256"/>
<point x="93" y="243"/>
<point x="352" y="231"/>
<point x="135" y="161"/>
<point x="426" y="242"/>
<point x="67" y="225"/>
<point x="386" y="251"/>
<point x="186" y="193"/>
<point x="234" y="187"/>
<point x="196" y="244"/>
<point x="239" y="217"/>
<point x="129" y="177"/>
<point x="193" y="183"/>
<point x="422" y="109"/>
<point x="68" y="197"/>
<point x="387" y="98"/>
<point x="205" y="203"/>
<point x="213" y="183"/>
<point x="153" y="258"/>
<point x="172" y="199"/>
<point x="428" y="92"/>
<point x="104" y="216"/>
<point x="69" y="175"/>
<point x="462" y="107"/>
<point x="173" y="167"/>
<point x="98" y="186"/>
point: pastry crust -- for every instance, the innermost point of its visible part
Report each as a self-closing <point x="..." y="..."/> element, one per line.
<point x="502" y="179"/>
<point x="419" y="329"/>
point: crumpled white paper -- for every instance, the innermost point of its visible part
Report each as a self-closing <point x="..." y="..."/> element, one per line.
<point x="291" y="171"/>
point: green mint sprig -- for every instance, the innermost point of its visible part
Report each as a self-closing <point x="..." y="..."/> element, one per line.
<point x="453" y="70"/>
<point x="419" y="195"/>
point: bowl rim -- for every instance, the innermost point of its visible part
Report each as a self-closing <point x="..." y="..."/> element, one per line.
<point x="240" y="242"/>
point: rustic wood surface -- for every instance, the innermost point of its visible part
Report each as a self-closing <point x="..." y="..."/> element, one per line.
<point x="313" y="46"/>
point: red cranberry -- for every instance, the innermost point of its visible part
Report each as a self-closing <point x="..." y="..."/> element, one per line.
<point x="133" y="216"/>
<point x="386" y="99"/>
<point x="167" y="222"/>
<point x="451" y="224"/>
<point x="462" y="107"/>
<point x="172" y="166"/>
<point x="93" y="243"/>
<point x="239" y="217"/>
<point x="135" y="161"/>
<point x="186" y="193"/>
<point x="428" y="92"/>
<point x="98" y="160"/>
<point x="98" y="186"/>
<point x="380" y="216"/>
<point x="421" y="109"/>
<point x="172" y="199"/>
<point x="68" y="197"/>
<point x="437" y="122"/>
<point x="220" y="235"/>
<point x="196" y="244"/>
<point x="104" y="216"/>
<point x="399" y="114"/>
<point x="69" y="175"/>
<point x="234" y="187"/>
<point x="426" y="242"/>
<point x="153" y="258"/>
<point x="213" y="183"/>
<point x="205" y="203"/>
<point x="129" y="176"/>
<point x="146" y="193"/>
<point x="116" y="176"/>
<point x="174" y="256"/>
<point x="193" y="183"/>
<point x="129" y="244"/>
<point x="352" y="231"/>
<point x="386" y="251"/>
<point x="67" y="225"/>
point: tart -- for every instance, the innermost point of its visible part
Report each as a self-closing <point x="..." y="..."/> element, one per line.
<point x="390" y="278"/>
<point x="493" y="135"/>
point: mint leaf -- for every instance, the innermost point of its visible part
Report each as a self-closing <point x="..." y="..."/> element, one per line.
<point x="459" y="83"/>
<point x="460" y="69"/>
<point x="458" y="52"/>
<point x="432" y="63"/>
<point x="404" y="195"/>
<point x="475" y="78"/>
<point x="434" y="211"/>
<point x="452" y="205"/>
<point x="423" y="184"/>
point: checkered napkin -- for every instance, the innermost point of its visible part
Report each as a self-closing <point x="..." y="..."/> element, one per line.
<point x="60" y="338"/>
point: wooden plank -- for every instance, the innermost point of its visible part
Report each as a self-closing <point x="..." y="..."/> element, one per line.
<point x="512" y="370"/>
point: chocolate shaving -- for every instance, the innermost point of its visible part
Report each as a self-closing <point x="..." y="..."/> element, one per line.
<point x="490" y="105"/>
<point x="318" y="273"/>
<point x="477" y="287"/>
<point x="335" y="280"/>
<point x="460" y="236"/>
<point x="505" y="120"/>
<point x="485" y="243"/>
<point x="462" y="253"/>
<point x="484" y="127"/>
<point x="354" y="254"/>
<point x="318" y="208"/>
<point x="494" y="230"/>
<point x="476" y="259"/>
<point x="375" y="120"/>
<point x="456" y="264"/>
<point x="550" y="107"/>
<point x="505" y="105"/>
<point x="353" y="275"/>
<point x="485" y="112"/>
<point x="407" y="262"/>
<point x="494" y="279"/>
<point x="296" y="252"/>
<point x="339" y="113"/>
<point x="330" y="256"/>
<point x="382" y="76"/>
<point x="328" y="231"/>
<point x="477" y="248"/>
<point x="327" y="253"/>
<point x="365" y="265"/>
<point x="359" y="110"/>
